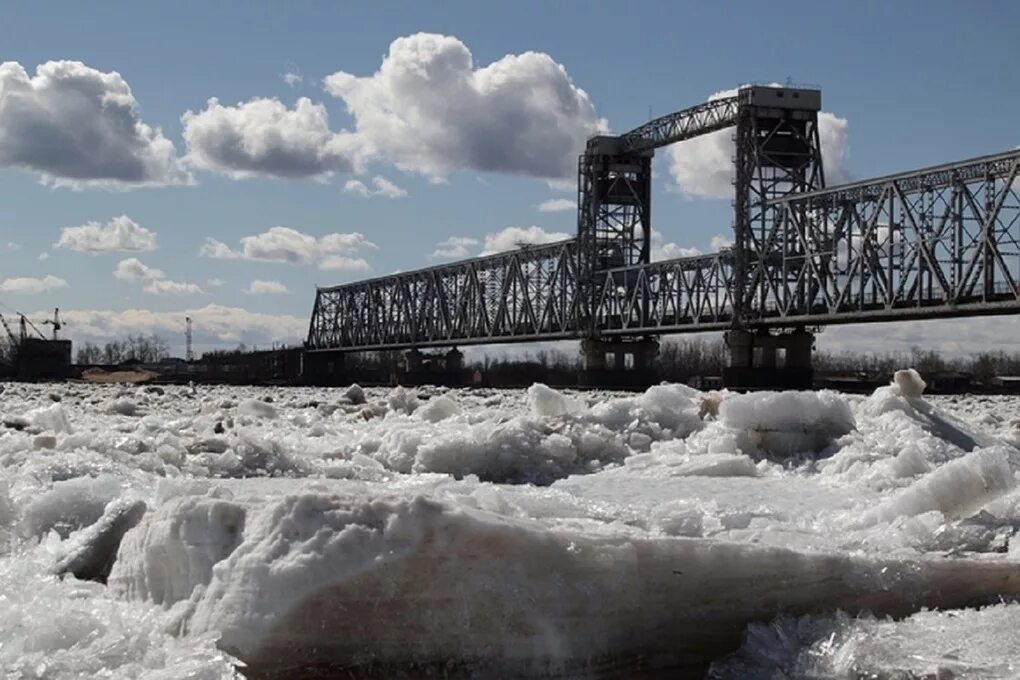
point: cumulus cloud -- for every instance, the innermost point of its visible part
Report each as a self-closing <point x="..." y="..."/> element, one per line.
<point x="156" y="282"/>
<point x="703" y="167"/>
<point x="218" y="250"/>
<point x="453" y="247"/>
<point x="719" y="242"/>
<point x="260" y="287"/>
<point x="287" y="245"/>
<point x="292" y="79"/>
<point x="514" y="237"/>
<point x="381" y="187"/>
<point x="557" y="205"/>
<point x="121" y="234"/>
<point x="344" y="263"/>
<point x="133" y="269"/>
<point x="12" y="246"/>
<point x="663" y="250"/>
<point x="212" y="324"/>
<point x="73" y="125"/>
<point x="955" y="337"/>
<point x="357" y="188"/>
<point x="168" y="287"/>
<point x="430" y="110"/>
<point x="27" y="285"/>
<point x="262" y="137"/>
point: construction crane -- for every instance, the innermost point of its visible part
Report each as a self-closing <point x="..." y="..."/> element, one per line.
<point x="9" y="356"/>
<point x="10" y="333"/>
<point x="25" y="323"/>
<point x="55" y="322"/>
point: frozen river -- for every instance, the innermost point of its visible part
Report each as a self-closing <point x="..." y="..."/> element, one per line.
<point x="488" y="533"/>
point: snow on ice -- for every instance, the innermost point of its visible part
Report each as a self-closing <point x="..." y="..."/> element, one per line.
<point x="478" y="532"/>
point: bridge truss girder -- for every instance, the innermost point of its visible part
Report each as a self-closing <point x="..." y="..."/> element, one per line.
<point x="521" y="295"/>
<point x="943" y="241"/>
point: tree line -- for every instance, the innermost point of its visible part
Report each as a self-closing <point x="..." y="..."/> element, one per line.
<point x="146" y="349"/>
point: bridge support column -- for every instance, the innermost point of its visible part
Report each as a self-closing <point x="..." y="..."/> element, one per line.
<point x="593" y="354"/>
<point x="645" y="353"/>
<point x="638" y="371"/>
<point x="413" y="360"/>
<point x="454" y="360"/>
<point x="764" y="360"/>
<point x="322" y="368"/>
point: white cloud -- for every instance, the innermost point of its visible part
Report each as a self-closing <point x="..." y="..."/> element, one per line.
<point x="832" y="135"/>
<point x="132" y="269"/>
<point x="12" y="246"/>
<point x="76" y="126"/>
<point x="43" y="257"/>
<point x="703" y="167"/>
<point x="213" y="322"/>
<point x="284" y="244"/>
<point x="719" y="242"/>
<point x="259" y="287"/>
<point x="156" y="283"/>
<point x="513" y="237"/>
<point x="30" y="286"/>
<point x="356" y="187"/>
<point x="262" y="137"/>
<point x="557" y="205"/>
<point x="343" y="263"/>
<point x="428" y="109"/>
<point x="218" y="250"/>
<point x="121" y="234"/>
<point x="383" y="187"/>
<point x="454" y="247"/>
<point x="952" y="337"/>
<point x="168" y="287"/>
<point x="661" y="250"/>
<point x="216" y="283"/>
<point x="292" y="79"/>
<point x="387" y="189"/>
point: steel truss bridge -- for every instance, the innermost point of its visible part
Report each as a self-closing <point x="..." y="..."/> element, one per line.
<point x="938" y="242"/>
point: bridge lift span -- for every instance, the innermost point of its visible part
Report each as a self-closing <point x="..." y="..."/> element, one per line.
<point x="937" y="242"/>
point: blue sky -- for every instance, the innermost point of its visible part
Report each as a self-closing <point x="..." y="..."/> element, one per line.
<point x="909" y="84"/>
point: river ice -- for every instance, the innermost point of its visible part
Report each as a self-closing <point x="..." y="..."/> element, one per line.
<point x="500" y="532"/>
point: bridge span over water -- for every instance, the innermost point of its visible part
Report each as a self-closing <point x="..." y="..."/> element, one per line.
<point x="937" y="242"/>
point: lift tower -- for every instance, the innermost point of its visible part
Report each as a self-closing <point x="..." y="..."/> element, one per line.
<point x="777" y="153"/>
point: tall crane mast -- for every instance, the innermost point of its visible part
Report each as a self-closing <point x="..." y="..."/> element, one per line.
<point x="55" y="322"/>
<point x="189" y="355"/>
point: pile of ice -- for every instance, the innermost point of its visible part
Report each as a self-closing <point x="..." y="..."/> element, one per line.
<point x="548" y="531"/>
<point x="304" y="579"/>
<point x="59" y="627"/>
<point x="963" y="643"/>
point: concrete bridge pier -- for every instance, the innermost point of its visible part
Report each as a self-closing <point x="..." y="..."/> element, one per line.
<point x="620" y="362"/>
<point x="765" y="360"/>
<point x="322" y="368"/>
<point x="438" y="368"/>
<point x="413" y="360"/>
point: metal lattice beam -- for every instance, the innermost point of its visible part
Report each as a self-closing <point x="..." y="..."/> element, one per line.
<point x="526" y="294"/>
<point x="717" y="114"/>
<point x="936" y="242"/>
